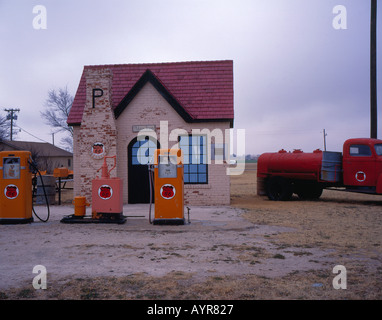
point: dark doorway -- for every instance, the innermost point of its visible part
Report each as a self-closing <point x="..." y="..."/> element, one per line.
<point x="140" y="153"/>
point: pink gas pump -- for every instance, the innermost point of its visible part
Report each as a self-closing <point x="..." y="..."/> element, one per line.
<point x="107" y="199"/>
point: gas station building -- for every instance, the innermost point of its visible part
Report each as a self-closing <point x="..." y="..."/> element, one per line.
<point x="129" y="110"/>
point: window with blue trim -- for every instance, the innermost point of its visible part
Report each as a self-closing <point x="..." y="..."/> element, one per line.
<point x="194" y="149"/>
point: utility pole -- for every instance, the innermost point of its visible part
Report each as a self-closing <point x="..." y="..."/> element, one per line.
<point x="325" y="140"/>
<point x="11" y="116"/>
<point x="373" y="70"/>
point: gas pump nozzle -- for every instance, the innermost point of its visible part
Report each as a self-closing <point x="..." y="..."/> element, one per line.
<point x="105" y="173"/>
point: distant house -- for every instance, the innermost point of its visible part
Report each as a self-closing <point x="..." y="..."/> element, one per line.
<point x="185" y="103"/>
<point x="47" y="155"/>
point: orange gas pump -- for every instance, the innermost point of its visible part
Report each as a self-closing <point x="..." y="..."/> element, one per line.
<point x="167" y="178"/>
<point x="15" y="187"/>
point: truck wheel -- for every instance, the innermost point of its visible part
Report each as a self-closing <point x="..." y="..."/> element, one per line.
<point x="309" y="191"/>
<point x="279" y="189"/>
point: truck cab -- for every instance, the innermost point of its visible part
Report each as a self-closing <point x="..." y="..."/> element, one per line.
<point x="362" y="165"/>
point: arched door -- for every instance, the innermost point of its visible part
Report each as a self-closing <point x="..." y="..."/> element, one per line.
<point x="140" y="153"/>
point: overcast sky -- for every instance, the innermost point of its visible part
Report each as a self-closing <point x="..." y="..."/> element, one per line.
<point x="294" y="73"/>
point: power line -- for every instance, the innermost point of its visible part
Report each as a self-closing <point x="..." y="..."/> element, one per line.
<point x="32" y="134"/>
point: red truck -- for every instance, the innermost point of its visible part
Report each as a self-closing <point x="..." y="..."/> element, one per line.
<point x="357" y="169"/>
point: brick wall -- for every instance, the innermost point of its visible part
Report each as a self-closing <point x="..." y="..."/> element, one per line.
<point x="147" y="108"/>
<point x="98" y="125"/>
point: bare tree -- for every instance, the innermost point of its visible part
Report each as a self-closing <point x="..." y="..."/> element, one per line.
<point x="57" y="108"/>
<point x="4" y="130"/>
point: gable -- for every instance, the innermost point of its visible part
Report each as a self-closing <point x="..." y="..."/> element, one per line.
<point x="148" y="76"/>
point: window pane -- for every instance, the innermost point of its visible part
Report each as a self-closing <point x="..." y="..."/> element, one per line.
<point x="185" y="152"/>
<point x="142" y="152"/>
<point x="184" y="141"/>
<point x="193" y="178"/>
<point x="135" y="161"/>
<point x="195" y="140"/>
<point x="378" y="149"/>
<point x="360" y="150"/>
<point x="202" y="168"/>
<point x="151" y="144"/>
<point x="195" y="149"/>
<point x="202" y="178"/>
<point x="195" y="159"/>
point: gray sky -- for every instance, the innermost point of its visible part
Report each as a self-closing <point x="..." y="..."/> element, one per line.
<point x="294" y="73"/>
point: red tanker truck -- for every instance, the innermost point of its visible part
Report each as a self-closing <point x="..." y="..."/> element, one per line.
<point x="357" y="169"/>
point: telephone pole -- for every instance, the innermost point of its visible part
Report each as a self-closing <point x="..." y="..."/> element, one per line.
<point x="11" y="116"/>
<point x="373" y="70"/>
<point x="325" y="134"/>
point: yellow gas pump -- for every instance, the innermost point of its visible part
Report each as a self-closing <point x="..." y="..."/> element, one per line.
<point x="15" y="187"/>
<point x="168" y="187"/>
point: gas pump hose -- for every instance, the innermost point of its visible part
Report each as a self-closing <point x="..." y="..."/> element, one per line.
<point x="151" y="172"/>
<point x="35" y="171"/>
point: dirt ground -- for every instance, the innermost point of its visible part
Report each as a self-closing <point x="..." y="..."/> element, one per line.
<point x="253" y="249"/>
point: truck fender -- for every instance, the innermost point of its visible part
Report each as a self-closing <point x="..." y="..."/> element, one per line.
<point x="379" y="184"/>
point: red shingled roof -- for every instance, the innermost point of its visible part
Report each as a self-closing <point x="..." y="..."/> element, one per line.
<point x="203" y="89"/>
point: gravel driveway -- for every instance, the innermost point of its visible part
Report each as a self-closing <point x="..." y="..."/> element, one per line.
<point x="217" y="242"/>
